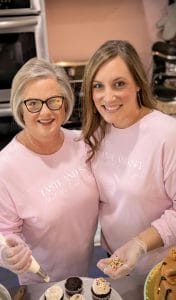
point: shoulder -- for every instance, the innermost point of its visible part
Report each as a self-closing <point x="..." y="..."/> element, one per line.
<point x="163" y="118"/>
<point x="74" y="139"/>
<point x="162" y="124"/>
<point x="8" y="149"/>
<point x="163" y="131"/>
<point x="8" y="157"/>
<point x="13" y="156"/>
<point x="75" y="146"/>
<point x="72" y="134"/>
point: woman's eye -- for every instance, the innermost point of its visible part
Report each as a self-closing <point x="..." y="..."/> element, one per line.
<point x="32" y="103"/>
<point x="119" y="83"/>
<point x="96" y="85"/>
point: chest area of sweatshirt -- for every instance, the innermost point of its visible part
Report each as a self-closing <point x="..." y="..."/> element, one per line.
<point x="129" y="162"/>
<point x="49" y="188"/>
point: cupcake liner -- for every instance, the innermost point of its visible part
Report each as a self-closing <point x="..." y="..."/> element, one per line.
<point x="73" y="285"/>
<point x="102" y="296"/>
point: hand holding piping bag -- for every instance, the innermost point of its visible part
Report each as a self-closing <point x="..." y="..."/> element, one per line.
<point x="17" y="257"/>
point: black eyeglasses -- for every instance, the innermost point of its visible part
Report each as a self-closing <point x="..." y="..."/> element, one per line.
<point x="35" y="105"/>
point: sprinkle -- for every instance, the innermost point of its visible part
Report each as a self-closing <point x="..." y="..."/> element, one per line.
<point x="115" y="263"/>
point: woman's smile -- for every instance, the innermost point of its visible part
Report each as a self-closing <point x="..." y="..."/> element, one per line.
<point x="46" y="122"/>
<point x="111" y="109"/>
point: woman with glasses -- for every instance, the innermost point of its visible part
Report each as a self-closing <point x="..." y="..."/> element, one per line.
<point x="48" y="197"/>
<point x="133" y="156"/>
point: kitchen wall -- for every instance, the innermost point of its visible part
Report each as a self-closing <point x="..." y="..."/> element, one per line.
<point x="77" y="27"/>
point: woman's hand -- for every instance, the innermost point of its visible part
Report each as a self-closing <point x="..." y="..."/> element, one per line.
<point x="123" y="260"/>
<point x="16" y="255"/>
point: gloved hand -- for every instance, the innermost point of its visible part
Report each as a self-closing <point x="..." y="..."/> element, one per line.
<point x="123" y="260"/>
<point x="16" y="255"/>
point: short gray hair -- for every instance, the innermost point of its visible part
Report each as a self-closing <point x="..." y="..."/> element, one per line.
<point x="38" y="68"/>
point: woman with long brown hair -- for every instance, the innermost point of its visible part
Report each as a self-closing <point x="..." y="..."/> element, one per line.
<point x="132" y="149"/>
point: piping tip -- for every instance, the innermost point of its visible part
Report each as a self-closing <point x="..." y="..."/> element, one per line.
<point x="43" y="275"/>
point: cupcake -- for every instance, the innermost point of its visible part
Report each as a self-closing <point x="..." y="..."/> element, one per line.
<point x="73" y="285"/>
<point x="77" y="297"/>
<point x="101" y="289"/>
<point x="55" y="292"/>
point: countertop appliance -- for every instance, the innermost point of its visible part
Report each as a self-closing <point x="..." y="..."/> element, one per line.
<point x="164" y="75"/>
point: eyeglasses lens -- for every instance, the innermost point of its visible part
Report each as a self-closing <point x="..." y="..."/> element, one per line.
<point x="35" y="105"/>
<point x="55" y="102"/>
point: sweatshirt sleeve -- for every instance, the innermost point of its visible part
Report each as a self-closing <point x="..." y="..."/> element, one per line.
<point x="10" y="222"/>
<point x="166" y="224"/>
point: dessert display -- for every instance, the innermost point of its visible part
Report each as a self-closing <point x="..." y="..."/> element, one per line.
<point x="77" y="297"/>
<point x="165" y="283"/>
<point x="101" y="289"/>
<point x="73" y="285"/>
<point x="55" y="292"/>
<point x="81" y="288"/>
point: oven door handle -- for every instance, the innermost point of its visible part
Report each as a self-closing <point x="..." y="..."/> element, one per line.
<point x="4" y="112"/>
<point x="18" y="23"/>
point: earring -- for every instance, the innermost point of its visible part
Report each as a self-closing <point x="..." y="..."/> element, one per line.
<point x="139" y="98"/>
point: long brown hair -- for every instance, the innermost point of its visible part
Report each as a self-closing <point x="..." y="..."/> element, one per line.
<point x="94" y="126"/>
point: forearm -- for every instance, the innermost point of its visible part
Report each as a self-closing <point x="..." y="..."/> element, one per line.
<point x="151" y="238"/>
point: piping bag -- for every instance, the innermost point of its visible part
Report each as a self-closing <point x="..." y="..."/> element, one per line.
<point x="34" y="267"/>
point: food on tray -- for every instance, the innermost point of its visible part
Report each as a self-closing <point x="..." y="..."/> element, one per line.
<point x="73" y="285"/>
<point x="77" y="297"/>
<point x="89" y="288"/>
<point x="101" y="289"/>
<point x="55" y="292"/>
<point x="165" y="284"/>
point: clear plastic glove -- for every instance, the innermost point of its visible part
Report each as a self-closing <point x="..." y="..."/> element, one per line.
<point x="16" y="256"/>
<point x="123" y="260"/>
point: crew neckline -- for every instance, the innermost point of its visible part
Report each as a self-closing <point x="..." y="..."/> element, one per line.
<point x="38" y="154"/>
<point x="136" y="124"/>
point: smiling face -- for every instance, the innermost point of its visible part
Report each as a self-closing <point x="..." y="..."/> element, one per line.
<point x="43" y="126"/>
<point x="115" y="93"/>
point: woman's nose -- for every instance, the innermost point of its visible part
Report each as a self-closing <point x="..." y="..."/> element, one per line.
<point x="109" y="96"/>
<point x="45" y="108"/>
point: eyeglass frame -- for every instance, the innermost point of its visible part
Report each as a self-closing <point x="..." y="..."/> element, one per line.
<point x="44" y="102"/>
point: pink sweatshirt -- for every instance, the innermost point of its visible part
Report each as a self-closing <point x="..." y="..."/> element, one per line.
<point x="53" y="201"/>
<point x="135" y="171"/>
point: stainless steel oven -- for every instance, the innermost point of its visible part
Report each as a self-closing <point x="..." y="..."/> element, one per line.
<point x="20" y="7"/>
<point x="23" y="35"/>
<point x="75" y="71"/>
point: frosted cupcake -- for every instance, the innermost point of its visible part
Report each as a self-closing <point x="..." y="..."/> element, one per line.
<point x="101" y="289"/>
<point x="55" y="292"/>
<point x="73" y="285"/>
<point x="77" y="297"/>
